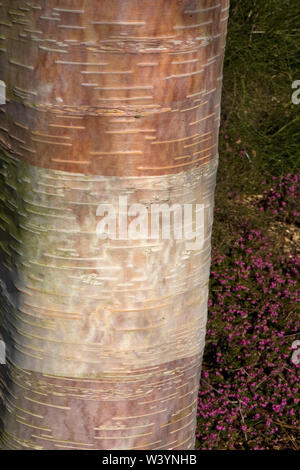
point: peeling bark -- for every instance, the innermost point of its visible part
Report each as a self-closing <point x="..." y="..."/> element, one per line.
<point x="104" y="337"/>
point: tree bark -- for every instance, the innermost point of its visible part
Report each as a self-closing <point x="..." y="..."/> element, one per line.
<point x="104" y="338"/>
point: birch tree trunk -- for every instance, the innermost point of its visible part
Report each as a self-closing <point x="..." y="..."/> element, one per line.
<point x="104" y="338"/>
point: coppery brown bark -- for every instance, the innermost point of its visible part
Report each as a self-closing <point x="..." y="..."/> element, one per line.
<point x="104" y="338"/>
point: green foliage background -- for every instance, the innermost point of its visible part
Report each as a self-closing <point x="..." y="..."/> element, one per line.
<point x="261" y="62"/>
<point x="255" y="238"/>
<point x="260" y="132"/>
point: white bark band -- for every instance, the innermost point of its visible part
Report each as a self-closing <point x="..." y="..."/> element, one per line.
<point x="75" y="305"/>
